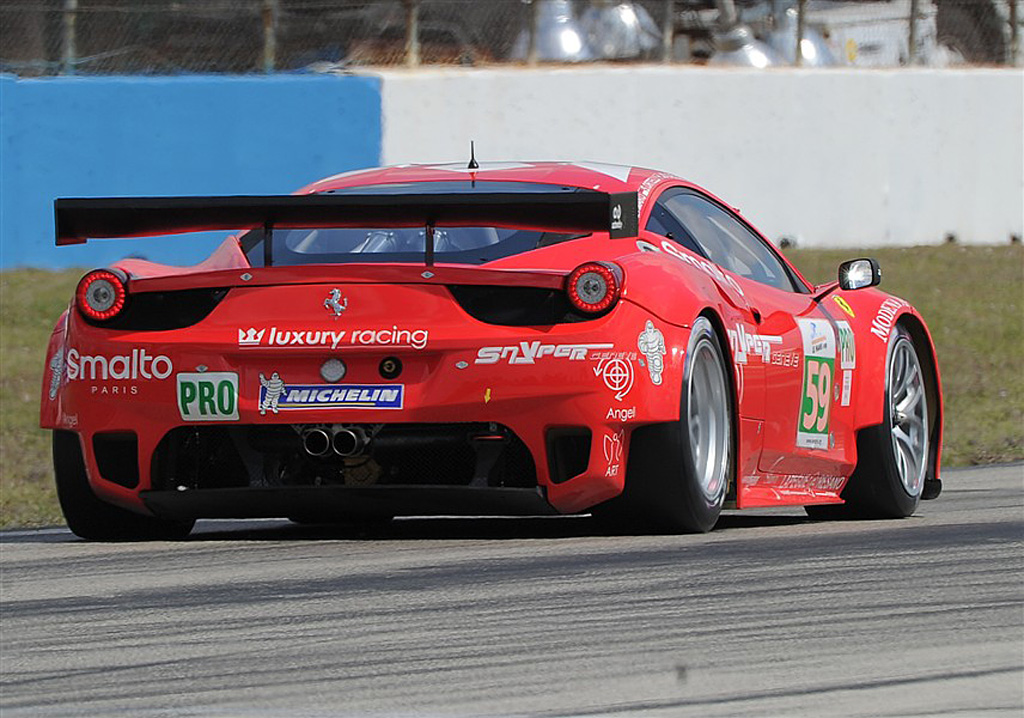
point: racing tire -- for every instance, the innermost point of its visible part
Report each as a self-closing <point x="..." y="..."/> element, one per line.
<point x="893" y="457"/>
<point x="92" y="519"/>
<point x="678" y="472"/>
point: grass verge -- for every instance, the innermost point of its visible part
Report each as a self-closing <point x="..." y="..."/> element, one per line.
<point x="971" y="298"/>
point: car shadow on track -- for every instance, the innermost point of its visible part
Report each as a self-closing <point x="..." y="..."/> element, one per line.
<point x="412" y="529"/>
<point x="460" y="528"/>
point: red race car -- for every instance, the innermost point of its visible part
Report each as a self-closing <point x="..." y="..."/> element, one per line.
<point x="516" y="338"/>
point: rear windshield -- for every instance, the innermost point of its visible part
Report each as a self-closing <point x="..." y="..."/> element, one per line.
<point x="456" y="245"/>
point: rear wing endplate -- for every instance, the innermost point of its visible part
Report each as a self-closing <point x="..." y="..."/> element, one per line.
<point x="81" y="219"/>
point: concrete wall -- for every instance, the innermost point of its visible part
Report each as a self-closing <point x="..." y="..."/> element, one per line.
<point x="832" y="157"/>
<point x="68" y="137"/>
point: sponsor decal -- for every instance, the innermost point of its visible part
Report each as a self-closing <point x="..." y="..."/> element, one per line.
<point x="814" y="482"/>
<point x="461" y="364"/>
<point x="652" y="343"/>
<point x="270" y="392"/>
<point x="745" y="344"/>
<point x="69" y="421"/>
<point x="394" y="337"/>
<point x="137" y="365"/>
<point x="785" y="359"/>
<point x="617" y="217"/>
<point x="847" y="359"/>
<point x="819" y="344"/>
<point x="277" y="395"/>
<point x="613" y="451"/>
<point x="647" y="185"/>
<point x="843" y="304"/>
<point x="617" y="375"/>
<point x="335" y="303"/>
<point x="709" y="268"/>
<point x="530" y="352"/>
<point x="621" y="413"/>
<point x="56" y="372"/>
<point x="881" y="325"/>
<point x="208" y="396"/>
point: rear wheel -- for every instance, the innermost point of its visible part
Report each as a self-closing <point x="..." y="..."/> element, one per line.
<point x="93" y="519"/>
<point x="679" y="472"/>
<point x="893" y="456"/>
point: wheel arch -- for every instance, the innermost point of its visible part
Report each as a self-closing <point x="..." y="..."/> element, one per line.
<point x="922" y="340"/>
<point x="723" y="342"/>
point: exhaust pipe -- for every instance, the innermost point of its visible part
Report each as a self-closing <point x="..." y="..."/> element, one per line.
<point x="316" y="442"/>
<point x="348" y="442"/>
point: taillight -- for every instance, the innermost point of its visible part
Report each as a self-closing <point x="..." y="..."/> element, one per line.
<point x="593" y="287"/>
<point x="101" y="295"/>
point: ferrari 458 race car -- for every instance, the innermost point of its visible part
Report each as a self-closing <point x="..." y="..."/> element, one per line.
<point x="517" y="339"/>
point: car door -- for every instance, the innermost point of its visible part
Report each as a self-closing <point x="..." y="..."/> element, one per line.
<point x="789" y="340"/>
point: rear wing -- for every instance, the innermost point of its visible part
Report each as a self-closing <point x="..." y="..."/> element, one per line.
<point x="81" y="219"/>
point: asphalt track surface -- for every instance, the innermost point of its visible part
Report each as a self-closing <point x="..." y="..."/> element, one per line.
<point x="770" y="614"/>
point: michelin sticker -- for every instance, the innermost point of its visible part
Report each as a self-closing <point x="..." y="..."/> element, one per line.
<point x="819" y="344"/>
<point x="277" y="395"/>
<point x="56" y="372"/>
<point x="847" y="359"/>
<point x="652" y="343"/>
<point x="208" y="396"/>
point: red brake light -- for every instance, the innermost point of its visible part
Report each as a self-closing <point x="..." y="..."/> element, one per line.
<point x="100" y="295"/>
<point x="593" y="287"/>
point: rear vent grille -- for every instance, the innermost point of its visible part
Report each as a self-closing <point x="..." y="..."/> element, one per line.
<point x="160" y="311"/>
<point x="515" y="306"/>
<point x="117" y="457"/>
<point x="568" y="452"/>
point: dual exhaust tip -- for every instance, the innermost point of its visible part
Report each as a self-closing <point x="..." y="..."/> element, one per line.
<point x="342" y="441"/>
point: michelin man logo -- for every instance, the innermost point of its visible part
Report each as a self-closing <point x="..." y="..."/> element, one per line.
<point x="56" y="372"/>
<point x="652" y="343"/>
<point x="274" y="389"/>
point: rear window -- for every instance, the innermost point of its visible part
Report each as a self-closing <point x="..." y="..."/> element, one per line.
<point x="456" y="245"/>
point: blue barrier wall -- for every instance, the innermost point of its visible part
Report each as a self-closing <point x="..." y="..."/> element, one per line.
<point x="193" y="135"/>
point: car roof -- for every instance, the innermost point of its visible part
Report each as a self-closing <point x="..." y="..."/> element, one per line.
<point x="590" y="175"/>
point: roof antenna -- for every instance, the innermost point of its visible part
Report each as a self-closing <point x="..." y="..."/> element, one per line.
<point x="472" y="157"/>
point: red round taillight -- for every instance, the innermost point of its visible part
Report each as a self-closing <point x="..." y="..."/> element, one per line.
<point x="100" y="295"/>
<point x="593" y="287"/>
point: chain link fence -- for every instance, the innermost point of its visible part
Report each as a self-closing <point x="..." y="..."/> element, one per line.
<point x="49" y="37"/>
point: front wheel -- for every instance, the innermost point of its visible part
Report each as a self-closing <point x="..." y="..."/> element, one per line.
<point x="89" y="517"/>
<point x="678" y="473"/>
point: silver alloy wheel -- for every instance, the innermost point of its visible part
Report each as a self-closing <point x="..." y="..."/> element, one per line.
<point x="908" y="412"/>
<point x="708" y="420"/>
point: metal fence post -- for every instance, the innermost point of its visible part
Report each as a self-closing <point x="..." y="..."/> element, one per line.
<point x="912" y="38"/>
<point x="412" y="33"/>
<point x="531" y="50"/>
<point x="801" y="10"/>
<point x="1015" y="53"/>
<point x="69" y="51"/>
<point x="270" y="12"/>
<point x="668" y="27"/>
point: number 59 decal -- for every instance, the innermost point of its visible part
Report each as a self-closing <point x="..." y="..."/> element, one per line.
<point x="819" y="343"/>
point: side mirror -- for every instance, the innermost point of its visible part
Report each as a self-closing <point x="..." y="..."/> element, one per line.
<point x="859" y="273"/>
